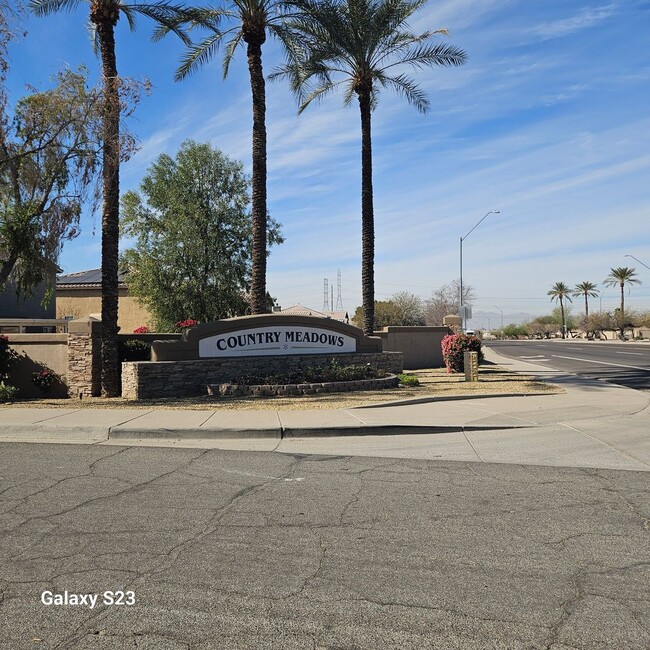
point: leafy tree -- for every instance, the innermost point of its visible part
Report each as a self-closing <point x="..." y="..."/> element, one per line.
<point x="445" y="301"/>
<point x="104" y="15"/>
<point x="49" y="161"/>
<point x="234" y="23"/>
<point x="192" y="254"/>
<point x="358" y="44"/>
<point x="544" y="326"/>
<point x="403" y="309"/>
<point x="588" y="290"/>
<point x="621" y="276"/>
<point x="560" y="292"/>
<point x="514" y="331"/>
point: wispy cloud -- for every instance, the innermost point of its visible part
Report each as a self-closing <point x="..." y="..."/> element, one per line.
<point x="586" y="18"/>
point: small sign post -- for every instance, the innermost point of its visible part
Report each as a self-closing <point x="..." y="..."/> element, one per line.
<point x="470" y="361"/>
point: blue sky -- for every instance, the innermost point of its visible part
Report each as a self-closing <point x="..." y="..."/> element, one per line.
<point x="548" y="122"/>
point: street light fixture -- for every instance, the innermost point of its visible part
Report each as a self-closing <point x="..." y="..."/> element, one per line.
<point x="501" y="315"/>
<point x="638" y="260"/>
<point x="462" y="310"/>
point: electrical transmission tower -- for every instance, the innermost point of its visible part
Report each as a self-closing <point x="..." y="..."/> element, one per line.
<point x="326" y="296"/>
<point x="339" y="299"/>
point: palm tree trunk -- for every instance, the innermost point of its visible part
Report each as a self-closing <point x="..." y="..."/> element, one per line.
<point x="622" y="314"/>
<point x="563" y="320"/>
<point x="110" y="211"/>
<point x="259" y="210"/>
<point x="367" y="219"/>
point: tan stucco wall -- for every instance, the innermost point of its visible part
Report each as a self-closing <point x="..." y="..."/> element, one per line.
<point x="80" y="303"/>
<point x="421" y="346"/>
<point x="37" y="351"/>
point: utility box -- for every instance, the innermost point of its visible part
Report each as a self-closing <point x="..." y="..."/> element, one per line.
<point x="470" y="361"/>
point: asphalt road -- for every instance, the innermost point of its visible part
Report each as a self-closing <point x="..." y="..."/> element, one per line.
<point x="627" y="364"/>
<point x="235" y="550"/>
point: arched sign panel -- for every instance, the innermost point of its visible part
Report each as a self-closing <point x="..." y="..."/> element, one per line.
<point x="266" y="335"/>
<point x="276" y="340"/>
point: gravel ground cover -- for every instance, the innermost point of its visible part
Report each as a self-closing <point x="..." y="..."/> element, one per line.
<point x="433" y="382"/>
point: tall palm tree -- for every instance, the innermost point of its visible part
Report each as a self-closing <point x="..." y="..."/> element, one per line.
<point x="104" y="15"/>
<point x="235" y="23"/>
<point x="560" y="292"/>
<point x="358" y="44"/>
<point x="588" y="290"/>
<point x="621" y="276"/>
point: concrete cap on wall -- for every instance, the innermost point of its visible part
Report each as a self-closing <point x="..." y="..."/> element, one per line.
<point x="84" y="326"/>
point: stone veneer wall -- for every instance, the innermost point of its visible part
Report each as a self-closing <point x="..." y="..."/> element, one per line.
<point x="84" y="358"/>
<point x="151" y="379"/>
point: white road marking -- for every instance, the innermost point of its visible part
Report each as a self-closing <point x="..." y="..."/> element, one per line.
<point x="636" y="354"/>
<point x="575" y="349"/>
<point x="602" y="363"/>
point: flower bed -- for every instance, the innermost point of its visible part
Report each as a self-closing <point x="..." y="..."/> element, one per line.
<point x="271" y="390"/>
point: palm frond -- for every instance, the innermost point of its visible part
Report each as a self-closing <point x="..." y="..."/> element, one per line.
<point x="47" y="7"/>
<point x="230" y="52"/>
<point x="406" y="87"/>
<point x="168" y="17"/>
<point x="198" y="55"/>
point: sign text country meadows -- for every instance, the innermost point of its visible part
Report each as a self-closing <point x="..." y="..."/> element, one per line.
<point x="260" y="338"/>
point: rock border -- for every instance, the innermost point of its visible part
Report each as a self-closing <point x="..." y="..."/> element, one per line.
<point x="282" y="390"/>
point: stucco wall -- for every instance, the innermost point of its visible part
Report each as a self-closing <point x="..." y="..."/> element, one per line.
<point x="421" y="346"/>
<point x="36" y="352"/>
<point x="80" y="303"/>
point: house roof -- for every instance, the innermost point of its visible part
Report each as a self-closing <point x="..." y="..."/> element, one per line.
<point x="301" y="310"/>
<point x="90" y="278"/>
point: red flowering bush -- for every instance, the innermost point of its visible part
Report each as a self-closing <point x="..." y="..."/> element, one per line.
<point x="142" y="330"/>
<point x="453" y="348"/>
<point x="44" y="379"/>
<point x="184" y="324"/>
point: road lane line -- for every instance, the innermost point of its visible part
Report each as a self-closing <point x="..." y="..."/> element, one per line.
<point x="601" y="363"/>
<point x="636" y="354"/>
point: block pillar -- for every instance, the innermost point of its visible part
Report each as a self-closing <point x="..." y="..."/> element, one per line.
<point x="84" y="358"/>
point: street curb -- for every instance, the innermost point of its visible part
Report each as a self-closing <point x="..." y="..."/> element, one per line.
<point x="446" y="398"/>
<point x="134" y="433"/>
<point x="388" y="430"/>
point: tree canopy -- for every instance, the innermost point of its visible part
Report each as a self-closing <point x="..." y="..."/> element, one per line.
<point x="192" y="228"/>
<point x="49" y="162"/>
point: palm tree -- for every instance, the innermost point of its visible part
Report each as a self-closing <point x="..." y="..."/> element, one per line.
<point x="358" y="44"/>
<point x="588" y="290"/>
<point x="560" y="292"/>
<point x="621" y="276"/>
<point x="246" y="21"/>
<point x="104" y="15"/>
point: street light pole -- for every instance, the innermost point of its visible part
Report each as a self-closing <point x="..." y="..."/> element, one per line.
<point x="501" y="315"/>
<point x="462" y="311"/>
<point x="638" y="260"/>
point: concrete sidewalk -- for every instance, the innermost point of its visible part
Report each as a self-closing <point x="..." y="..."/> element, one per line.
<point x="591" y="424"/>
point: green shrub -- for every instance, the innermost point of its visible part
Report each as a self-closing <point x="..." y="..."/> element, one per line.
<point x="408" y="380"/>
<point x="333" y="371"/>
<point x="453" y="348"/>
<point x="7" y="393"/>
<point x="135" y="350"/>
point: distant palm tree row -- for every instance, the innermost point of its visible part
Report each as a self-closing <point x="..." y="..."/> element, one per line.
<point x="327" y="43"/>
<point x="619" y="276"/>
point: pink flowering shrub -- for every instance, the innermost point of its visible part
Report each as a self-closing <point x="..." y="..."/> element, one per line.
<point x="184" y="324"/>
<point x="142" y="330"/>
<point x="453" y="347"/>
<point x="44" y="379"/>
